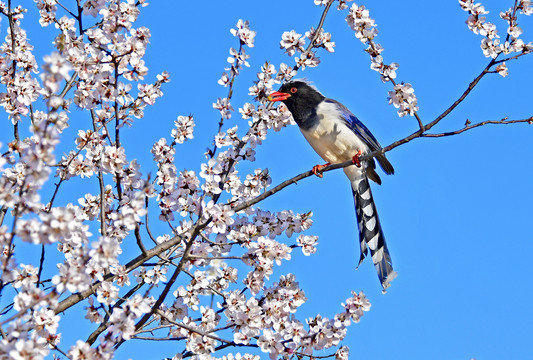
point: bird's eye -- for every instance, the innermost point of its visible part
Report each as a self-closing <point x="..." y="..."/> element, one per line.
<point x="293" y="90"/>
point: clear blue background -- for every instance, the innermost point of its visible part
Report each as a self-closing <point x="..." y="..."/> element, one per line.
<point x="457" y="213"/>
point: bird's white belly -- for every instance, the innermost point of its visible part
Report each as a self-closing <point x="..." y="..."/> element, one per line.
<point x="334" y="141"/>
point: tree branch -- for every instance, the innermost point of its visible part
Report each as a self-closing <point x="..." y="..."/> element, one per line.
<point x="503" y="121"/>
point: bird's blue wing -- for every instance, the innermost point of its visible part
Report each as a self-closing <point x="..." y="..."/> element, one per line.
<point x="356" y="126"/>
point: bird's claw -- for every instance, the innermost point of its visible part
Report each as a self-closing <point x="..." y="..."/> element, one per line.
<point x="317" y="169"/>
<point x="356" y="160"/>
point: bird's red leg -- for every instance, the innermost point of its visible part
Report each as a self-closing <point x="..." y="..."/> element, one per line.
<point x="316" y="169"/>
<point x="356" y="159"/>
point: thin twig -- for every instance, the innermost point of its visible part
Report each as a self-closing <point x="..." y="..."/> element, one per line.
<point x="469" y="127"/>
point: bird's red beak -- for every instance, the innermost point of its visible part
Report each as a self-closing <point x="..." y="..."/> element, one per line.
<point x="278" y="96"/>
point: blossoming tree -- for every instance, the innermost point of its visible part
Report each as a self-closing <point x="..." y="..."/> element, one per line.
<point x="180" y="286"/>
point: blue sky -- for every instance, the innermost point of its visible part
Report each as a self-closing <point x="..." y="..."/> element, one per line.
<point x="457" y="213"/>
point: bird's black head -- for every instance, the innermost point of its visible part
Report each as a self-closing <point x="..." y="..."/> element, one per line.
<point x="301" y="99"/>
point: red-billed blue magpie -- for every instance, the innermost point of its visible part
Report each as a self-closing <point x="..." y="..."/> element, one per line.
<point x="337" y="136"/>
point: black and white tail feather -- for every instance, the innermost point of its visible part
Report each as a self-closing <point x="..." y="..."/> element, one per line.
<point x="370" y="231"/>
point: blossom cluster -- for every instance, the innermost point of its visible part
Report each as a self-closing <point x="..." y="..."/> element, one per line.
<point x="17" y="66"/>
<point x="269" y="319"/>
<point x="293" y="337"/>
<point x="293" y="43"/>
<point x="491" y="44"/>
<point x="403" y="97"/>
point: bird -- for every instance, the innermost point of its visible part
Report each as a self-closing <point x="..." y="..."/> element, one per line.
<point x="337" y="135"/>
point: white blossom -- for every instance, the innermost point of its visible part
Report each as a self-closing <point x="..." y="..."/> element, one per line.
<point x="291" y="41"/>
<point x="244" y="33"/>
<point x="502" y="69"/>
<point x="404" y="99"/>
<point x="184" y="129"/>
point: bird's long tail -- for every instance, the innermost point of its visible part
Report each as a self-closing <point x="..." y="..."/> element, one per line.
<point x="370" y="231"/>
